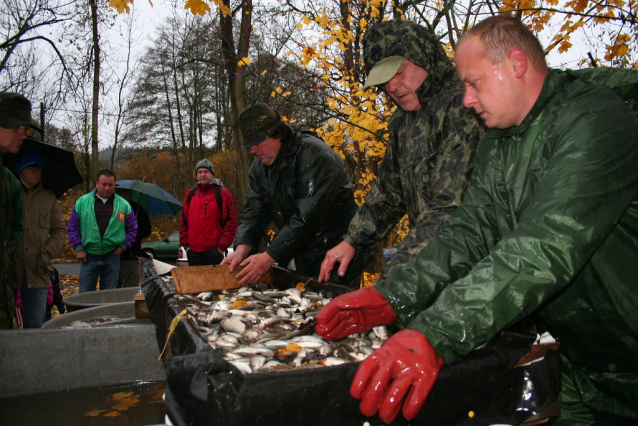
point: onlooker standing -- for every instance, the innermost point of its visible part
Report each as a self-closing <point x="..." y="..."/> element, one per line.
<point x="209" y="221"/>
<point x="15" y="125"/>
<point x="129" y="265"/>
<point x="42" y="239"/>
<point x="102" y="225"/>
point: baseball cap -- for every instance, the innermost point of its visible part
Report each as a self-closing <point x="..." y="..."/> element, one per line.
<point x="383" y="71"/>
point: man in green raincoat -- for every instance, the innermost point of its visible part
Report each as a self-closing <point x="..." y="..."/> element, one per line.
<point x="430" y="152"/>
<point x="549" y="226"/>
<point x="15" y="126"/>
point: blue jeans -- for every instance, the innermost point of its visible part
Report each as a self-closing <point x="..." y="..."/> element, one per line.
<point x="34" y="305"/>
<point x="105" y="267"/>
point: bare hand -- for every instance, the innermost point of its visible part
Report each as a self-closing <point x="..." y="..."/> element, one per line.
<point x="342" y="253"/>
<point x="255" y="267"/>
<point x="118" y="251"/>
<point x="81" y="256"/>
<point x="236" y="257"/>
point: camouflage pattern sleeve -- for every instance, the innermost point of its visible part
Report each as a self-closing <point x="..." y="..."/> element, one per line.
<point x="384" y="205"/>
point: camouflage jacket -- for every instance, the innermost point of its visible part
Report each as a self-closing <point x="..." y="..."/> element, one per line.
<point x="430" y="153"/>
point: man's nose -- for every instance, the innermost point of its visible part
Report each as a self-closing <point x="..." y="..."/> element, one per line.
<point x="469" y="99"/>
<point x="253" y="149"/>
<point x="391" y="85"/>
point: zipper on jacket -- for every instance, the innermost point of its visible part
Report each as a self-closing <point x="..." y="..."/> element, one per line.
<point x="205" y="206"/>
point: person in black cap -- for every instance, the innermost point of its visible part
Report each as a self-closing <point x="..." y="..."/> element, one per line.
<point x="208" y="223"/>
<point x="45" y="232"/>
<point x="15" y="125"/>
<point x="300" y="184"/>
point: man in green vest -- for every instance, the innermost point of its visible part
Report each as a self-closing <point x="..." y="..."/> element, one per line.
<point x="549" y="227"/>
<point x="102" y="225"/>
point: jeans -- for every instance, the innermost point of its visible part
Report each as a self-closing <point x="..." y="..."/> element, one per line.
<point x="208" y="257"/>
<point x="105" y="267"/>
<point x="34" y="305"/>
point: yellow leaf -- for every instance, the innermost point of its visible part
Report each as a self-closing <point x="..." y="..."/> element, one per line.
<point x="197" y="7"/>
<point x="299" y="25"/>
<point x="225" y="10"/>
<point x="112" y="414"/>
<point x="273" y="94"/>
<point x="238" y="303"/>
<point x="323" y="21"/>
<point x="94" y="413"/>
<point x="244" y="61"/>
<point x="121" y="5"/>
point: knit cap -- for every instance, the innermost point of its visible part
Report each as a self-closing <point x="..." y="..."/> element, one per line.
<point x="205" y="164"/>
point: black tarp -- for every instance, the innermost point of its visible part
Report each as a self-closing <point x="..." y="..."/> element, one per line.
<point x="203" y="389"/>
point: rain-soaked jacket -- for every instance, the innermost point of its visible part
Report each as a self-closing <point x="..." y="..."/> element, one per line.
<point x="430" y="153"/>
<point x="549" y="225"/>
<point x="11" y="228"/>
<point x="307" y="194"/>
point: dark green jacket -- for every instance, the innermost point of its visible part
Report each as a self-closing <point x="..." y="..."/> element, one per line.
<point x="11" y="229"/>
<point x="549" y="225"/>
<point x="307" y="195"/>
<point x="430" y="152"/>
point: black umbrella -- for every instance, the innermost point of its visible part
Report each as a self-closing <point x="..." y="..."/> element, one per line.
<point x="59" y="173"/>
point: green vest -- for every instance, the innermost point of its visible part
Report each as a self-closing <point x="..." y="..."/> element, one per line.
<point x="115" y="233"/>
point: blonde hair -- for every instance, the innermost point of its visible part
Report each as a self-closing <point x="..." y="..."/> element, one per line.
<point x="503" y="32"/>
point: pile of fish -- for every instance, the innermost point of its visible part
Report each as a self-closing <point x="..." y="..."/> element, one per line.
<point x="260" y="330"/>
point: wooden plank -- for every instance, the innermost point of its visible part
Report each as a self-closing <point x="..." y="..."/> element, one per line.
<point x="196" y="279"/>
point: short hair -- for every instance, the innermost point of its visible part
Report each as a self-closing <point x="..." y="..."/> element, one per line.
<point x="503" y="32"/>
<point x="105" y="172"/>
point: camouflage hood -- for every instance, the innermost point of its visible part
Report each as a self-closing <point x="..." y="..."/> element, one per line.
<point x="416" y="44"/>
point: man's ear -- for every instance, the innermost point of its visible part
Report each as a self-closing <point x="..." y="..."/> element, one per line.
<point x="518" y="61"/>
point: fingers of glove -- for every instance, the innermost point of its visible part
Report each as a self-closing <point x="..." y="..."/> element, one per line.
<point x="329" y="312"/>
<point x="393" y="398"/>
<point x="375" y="389"/>
<point x="417" y="396"/>
<point x="350" y="324"/>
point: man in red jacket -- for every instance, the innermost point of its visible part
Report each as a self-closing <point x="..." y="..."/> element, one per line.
<point x="209" y="221"/>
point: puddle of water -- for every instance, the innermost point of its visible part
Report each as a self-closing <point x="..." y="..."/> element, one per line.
<point x="136" y="404"/>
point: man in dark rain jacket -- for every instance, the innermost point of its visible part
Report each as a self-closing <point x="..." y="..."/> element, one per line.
<point x="300" y="184"/>
<point x="430" y="153"/>
<point x="549" y="226"/>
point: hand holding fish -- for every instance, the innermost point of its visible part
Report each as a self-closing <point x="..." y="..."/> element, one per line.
<point x="405" y="362"/>
<point x="354" y="312"/>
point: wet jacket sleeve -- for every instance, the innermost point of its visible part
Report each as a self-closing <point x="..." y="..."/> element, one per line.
<point x="490" y="266"/>
<point x="130" y="226"/>
<point x="384" y="205"/>
<point x="57" y="232"/>
<point x="255" y="217"/>
<point x="315" y="194"/>
<point x="73" y="229"/>
<point x="230" y="228"/>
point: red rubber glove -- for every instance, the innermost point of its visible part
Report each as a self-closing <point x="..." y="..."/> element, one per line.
<point x="405" y="361"/>
<point x="354" y="312"/>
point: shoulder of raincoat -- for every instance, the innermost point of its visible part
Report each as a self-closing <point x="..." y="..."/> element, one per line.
<point x="43" y="237"/>
<point x="308" y="196"/>
<point x="430" y="153"/>
<point x="549" y="225"/>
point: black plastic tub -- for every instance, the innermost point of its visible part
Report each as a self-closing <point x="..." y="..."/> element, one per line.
<point x="485" y="389"/>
